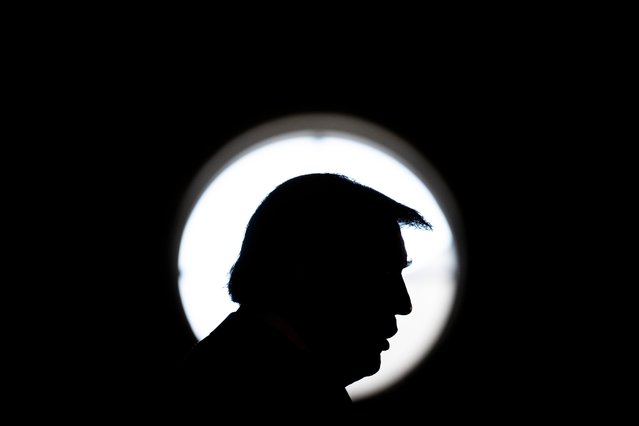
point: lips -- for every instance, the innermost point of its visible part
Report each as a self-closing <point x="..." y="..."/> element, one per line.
<point x="385" y="345"/>
<point x="390" y="333"/>
<point x="376" y="338"/>
<point x="378" y="344"/>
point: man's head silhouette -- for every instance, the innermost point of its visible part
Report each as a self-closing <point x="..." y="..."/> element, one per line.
<point x="323" y="255"/>
<point x="319" y="283"/>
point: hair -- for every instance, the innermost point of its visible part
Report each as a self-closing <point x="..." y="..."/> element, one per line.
<point x="309" y="218"/>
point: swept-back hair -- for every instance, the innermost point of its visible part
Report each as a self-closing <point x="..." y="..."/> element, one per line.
<point x="308" y="219"/>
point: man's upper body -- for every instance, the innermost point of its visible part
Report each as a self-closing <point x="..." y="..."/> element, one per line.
<point x="254" y="363"/>
<point x="319" y="284"/>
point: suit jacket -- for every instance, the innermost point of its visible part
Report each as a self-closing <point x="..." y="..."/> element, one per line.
<point x="247" y="367"/>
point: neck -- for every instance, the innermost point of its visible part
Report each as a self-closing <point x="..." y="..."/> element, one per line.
<point x="279" y="323"/>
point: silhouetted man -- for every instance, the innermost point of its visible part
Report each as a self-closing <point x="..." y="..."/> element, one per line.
<point x="319" y="282"/>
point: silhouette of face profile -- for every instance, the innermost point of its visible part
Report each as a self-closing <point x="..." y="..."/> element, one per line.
<point x="364" y="283"/>
<point x="327" y="255"/>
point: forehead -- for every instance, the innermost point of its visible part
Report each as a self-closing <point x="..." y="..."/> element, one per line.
<point x="384" y="244"/>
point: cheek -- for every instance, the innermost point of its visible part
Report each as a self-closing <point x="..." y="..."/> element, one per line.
<point x="360" y="299"/>
<point x="379" y="292"/>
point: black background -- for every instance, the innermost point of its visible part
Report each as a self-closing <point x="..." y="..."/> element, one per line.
<point x="112" y="138"/>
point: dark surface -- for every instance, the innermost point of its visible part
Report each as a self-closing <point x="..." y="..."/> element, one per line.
<point x="122" y="140"/>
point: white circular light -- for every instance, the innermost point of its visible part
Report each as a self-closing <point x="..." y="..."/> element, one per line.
<point x="231" y="186"/>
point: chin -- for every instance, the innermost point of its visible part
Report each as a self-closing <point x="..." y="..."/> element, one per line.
<point x="368" y="366"/>
<point x="361" y="364"/>
<point x="359" y="368"/>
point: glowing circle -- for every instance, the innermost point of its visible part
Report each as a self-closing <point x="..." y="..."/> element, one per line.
<point x="230" y="187"/>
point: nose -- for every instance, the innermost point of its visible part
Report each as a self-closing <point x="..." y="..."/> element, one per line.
<point x="403" y="304"/>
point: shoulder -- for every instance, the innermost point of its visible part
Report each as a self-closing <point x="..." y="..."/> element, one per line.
<point x="244" y="362"/>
